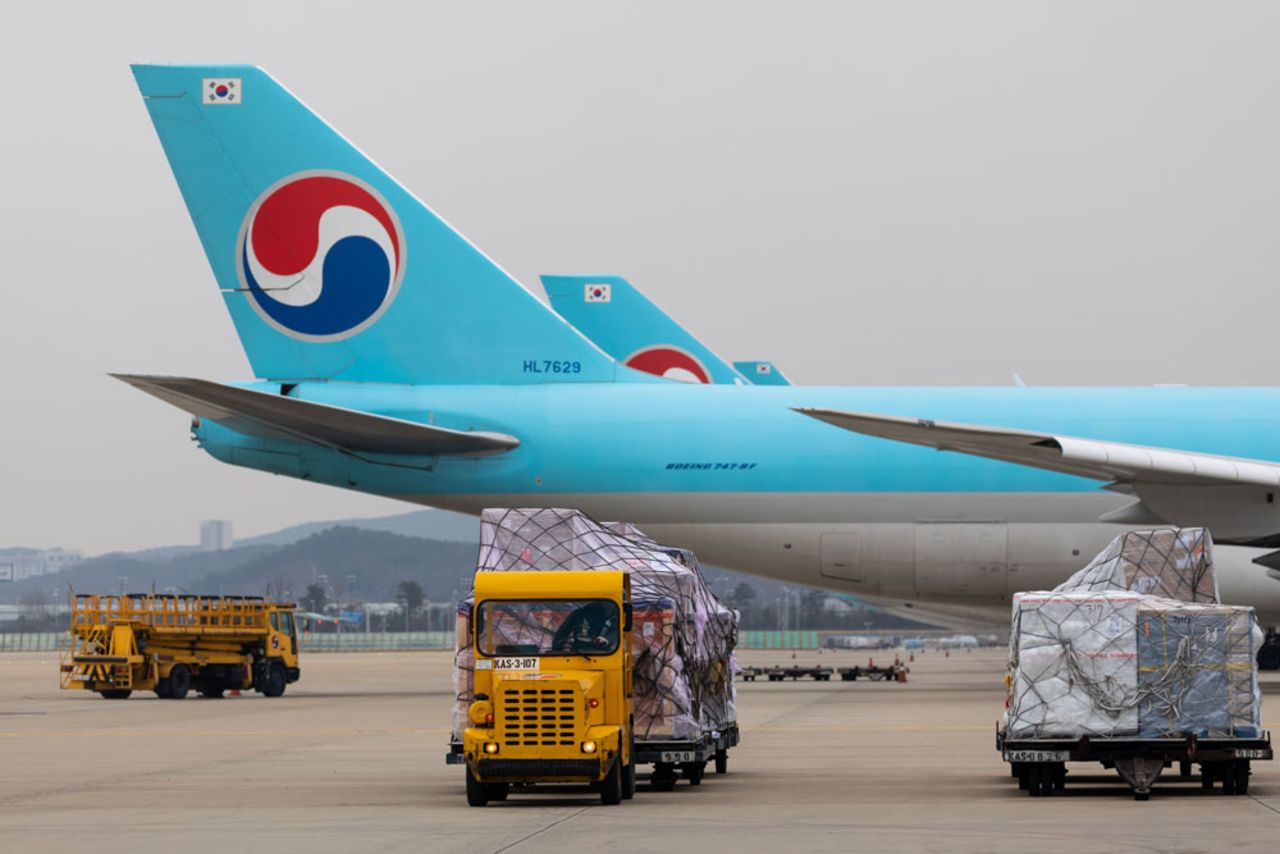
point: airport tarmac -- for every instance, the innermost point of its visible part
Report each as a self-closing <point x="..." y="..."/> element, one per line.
<point x="351" y="759"/>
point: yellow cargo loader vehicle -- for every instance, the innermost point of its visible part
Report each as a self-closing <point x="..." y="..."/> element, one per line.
<point x="173" y="644"/>
<point x="553" y="684"/>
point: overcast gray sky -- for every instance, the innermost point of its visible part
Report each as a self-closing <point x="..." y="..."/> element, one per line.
<point x="863" y="192"/>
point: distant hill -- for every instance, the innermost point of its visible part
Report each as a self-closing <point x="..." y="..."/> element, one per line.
<point x="365" y="560"/>
<point x="355" y="563"/>
<point x="427" y="524"/>
<point x="104" y="574"/>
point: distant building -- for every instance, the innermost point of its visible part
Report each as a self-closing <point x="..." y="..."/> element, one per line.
<point x="21" y="564"/>
<point x="215" y="535"/>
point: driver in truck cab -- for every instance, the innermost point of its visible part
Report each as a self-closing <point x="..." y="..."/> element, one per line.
<point x="592" y="627"/>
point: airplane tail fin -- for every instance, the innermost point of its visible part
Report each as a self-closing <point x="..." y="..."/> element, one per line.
<point x="329" y="267"/>
<point x="632" y="329"/>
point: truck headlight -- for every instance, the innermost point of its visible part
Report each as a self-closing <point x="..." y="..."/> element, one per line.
<point x="588" y="747"/>
<point x="491" y="747"/>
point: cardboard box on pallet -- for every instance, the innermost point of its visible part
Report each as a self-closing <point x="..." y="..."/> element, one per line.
<point x="1197" y="671"/>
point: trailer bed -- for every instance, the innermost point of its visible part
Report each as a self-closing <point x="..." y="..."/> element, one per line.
<point x="1039" y="764"/>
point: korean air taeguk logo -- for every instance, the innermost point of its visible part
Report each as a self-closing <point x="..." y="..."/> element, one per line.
<point x="321" y="255"/>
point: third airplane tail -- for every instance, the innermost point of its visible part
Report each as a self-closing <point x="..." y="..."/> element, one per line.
<point x="629" y="326"/>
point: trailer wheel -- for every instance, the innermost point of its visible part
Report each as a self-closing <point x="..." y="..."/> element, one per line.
<point x="722" y="761"/>
<point x="1228" y="781"/>
<point x="477" y="794"/>
<point x="663" y="778"/>
<point x="1241" y="774"/>
<point x="693" y="771"/>
<point x="179" y="681"/>
<point x="611" y="785"/>
<point x="115" y="694"/>
<point x="1206" y="777"/>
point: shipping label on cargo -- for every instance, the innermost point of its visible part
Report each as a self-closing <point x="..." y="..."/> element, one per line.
<point x="521" y="663"/>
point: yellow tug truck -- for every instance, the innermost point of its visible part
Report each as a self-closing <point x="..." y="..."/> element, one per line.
<point x="552" y="700"/>
<point x="174" y="644"/>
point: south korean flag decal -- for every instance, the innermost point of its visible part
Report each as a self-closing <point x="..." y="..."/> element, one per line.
<point x="601" y="292"/>
<point x="221" y="90"/>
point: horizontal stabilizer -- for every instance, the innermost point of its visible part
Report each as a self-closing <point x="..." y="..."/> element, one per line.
<point x="274" y="416"/>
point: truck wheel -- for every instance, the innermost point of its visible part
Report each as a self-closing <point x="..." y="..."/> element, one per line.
<point x="722" y="761"/>
<point x="115" y="694"/>
<point x="693" y="772"/>
<point x="162" y="689"/>
<point x="629" y="773"/>
<point x="477" y="795"/>
<point x="275" y="681"/>
<point x="179" y="681"/>
<point x="497" y="791"/>
<point x="611" y="785"/>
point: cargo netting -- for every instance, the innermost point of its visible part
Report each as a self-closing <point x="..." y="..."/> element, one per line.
<point x="1172" y="563"/>
<point x="1100" y="656"/>
<point x="682" y="639"/>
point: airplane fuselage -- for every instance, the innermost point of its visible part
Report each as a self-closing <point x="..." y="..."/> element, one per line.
<point x="750" y="484"/>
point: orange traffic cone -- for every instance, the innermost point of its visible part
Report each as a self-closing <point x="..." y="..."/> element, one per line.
<point x="235" y="692"/>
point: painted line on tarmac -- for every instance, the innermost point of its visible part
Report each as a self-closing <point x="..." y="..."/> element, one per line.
<point x="872" y="728"/>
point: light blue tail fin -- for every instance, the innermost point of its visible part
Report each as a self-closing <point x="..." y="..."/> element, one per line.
<point x="629" y="327"/>
<point x="330" y="268"/>
<point x="761" y="373"/>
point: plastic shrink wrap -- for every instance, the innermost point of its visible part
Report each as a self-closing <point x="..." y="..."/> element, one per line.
<point x="1098" y="656"/>
<point x="682" y="638"/>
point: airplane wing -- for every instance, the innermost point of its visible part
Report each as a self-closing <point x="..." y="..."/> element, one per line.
<point x="276" y="416"/>
<point x="1091" y="458"/>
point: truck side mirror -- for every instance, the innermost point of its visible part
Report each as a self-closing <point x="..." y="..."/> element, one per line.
<point x="626" y="617"/>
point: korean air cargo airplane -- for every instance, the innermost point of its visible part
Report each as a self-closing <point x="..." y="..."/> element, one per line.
<point x="392" y="356"/>
<point x="628" y="326"/>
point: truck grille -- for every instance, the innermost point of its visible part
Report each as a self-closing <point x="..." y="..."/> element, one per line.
<point x="546" y="716"/>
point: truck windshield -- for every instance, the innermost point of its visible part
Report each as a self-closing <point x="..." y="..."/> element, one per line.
<point x="547" y="627"/>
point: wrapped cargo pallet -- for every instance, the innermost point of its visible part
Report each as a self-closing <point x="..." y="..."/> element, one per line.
<point x="1099" y="657"/>
<point x="682" y="638"/>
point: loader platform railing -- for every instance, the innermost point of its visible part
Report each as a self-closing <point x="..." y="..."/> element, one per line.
<point x="171" y="612"/>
